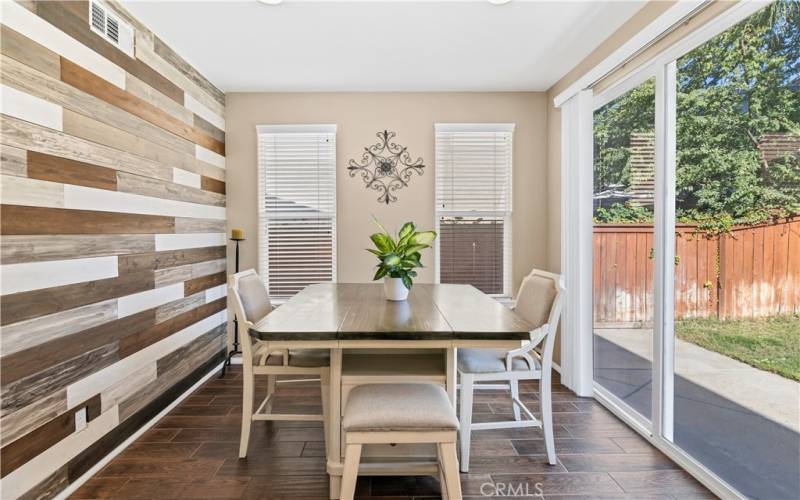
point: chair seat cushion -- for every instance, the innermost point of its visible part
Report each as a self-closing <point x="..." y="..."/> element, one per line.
<point x="489" y="361"/>
<point x="399" y="407"/>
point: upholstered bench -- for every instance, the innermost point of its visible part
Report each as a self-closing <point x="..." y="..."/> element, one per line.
<point x="400" y="413"/>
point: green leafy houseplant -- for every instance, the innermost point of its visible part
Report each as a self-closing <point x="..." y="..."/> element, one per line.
<point x="399" y="257"/>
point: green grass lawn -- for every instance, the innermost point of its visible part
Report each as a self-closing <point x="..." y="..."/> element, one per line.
<point x="771" y="344"/>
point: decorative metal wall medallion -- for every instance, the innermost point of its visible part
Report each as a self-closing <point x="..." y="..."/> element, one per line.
<point x="386" y="167"/>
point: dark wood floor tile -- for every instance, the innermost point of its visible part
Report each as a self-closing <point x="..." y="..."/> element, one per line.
<point x="576" y="483"/>
<point x="511" y="465"/>
<point x="260" y="466"/>
<point x="314" y="449"/>
<point x="158" y="436"/>
<point x="227" y="450"/>
<point x="201" y="400"/>
<point x="616" y="462"/>
<point x="158" y="451"/>
<point x="99" y="487"/>
<point x="303" y="434"/>
<point x="519" y="433"/>
<point x="633" y="444"/>
<point x="383" y="486"/>
<point x="534" y="407"/>
<point x="471" y="484"/>
<point x="201" y="411"/>
<point x="492" y="448"/>
<point x="173" y="488"/>
<point x="188" y="468"/>
<point x="675" y="482"/>
<point x="221" y="435"/>
<point x="567" y="446"/>
<point x="606" y="429"/>
<point x="288" y="487"/>
<point x="192" y="422"/>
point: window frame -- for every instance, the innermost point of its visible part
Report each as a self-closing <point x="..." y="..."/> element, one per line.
<point x="262" y="240"/>
<point x="506" y="215"/>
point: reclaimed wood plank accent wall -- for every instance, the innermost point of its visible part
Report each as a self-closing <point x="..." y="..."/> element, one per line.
<point x="112" y="239"/>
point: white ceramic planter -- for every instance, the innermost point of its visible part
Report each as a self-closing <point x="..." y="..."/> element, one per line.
<point x="394" y="288"/>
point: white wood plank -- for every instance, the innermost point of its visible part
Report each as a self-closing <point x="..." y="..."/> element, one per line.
<point x="26" y="334"/>
<point x="203" y="112"/>
<point x="107" y="377"/>
<point x="36" y="470"/>
<point x="195" y="240"/>
<point x="86" y="198"/>
<point x="31" y="192"/>
<point x="17" y="278"/>
<point x="216" y="292"/>
<point x="180" y="176"/>
<point x="30" y="108"/>
<point x="208" y="156"/>
<point x="142" y="301"/>
<point x="37" y="29"/>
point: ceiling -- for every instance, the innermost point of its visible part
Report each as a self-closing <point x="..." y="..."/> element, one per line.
<point x="383" y="45"/>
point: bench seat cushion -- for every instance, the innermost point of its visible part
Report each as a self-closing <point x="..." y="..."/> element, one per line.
<point x="399" y="407"/>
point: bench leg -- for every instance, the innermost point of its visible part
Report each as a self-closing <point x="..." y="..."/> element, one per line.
<point x="451" y="477"/>
<point x="442" y="481"/>
<point x="352" y="457"/>
<point x="515" y="395"/>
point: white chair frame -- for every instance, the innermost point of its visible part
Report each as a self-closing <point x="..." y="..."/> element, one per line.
<point x="511" y="377"/>
<point x="260" y="349"/>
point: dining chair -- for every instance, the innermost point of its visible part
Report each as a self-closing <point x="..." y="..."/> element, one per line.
<point x="539" y="302"/>
<point x="251" y="303"/>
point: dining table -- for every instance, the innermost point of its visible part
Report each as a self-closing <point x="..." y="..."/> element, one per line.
<point x="375" y="340"/>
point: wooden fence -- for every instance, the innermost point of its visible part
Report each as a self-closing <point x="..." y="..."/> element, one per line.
<point x="752" y="271"/>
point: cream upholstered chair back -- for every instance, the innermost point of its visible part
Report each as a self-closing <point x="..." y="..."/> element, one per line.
<point x="539" y="301"/>
<point x="250" y="304"/>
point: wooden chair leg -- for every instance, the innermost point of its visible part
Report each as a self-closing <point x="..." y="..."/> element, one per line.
<point x="546" y="400"/>
<point x="352" y="457"/>
<point x="451" y="477"/>
<point x="514" y="384"/>
<point x="247" y="411"/>
<point x="465" y="420"/>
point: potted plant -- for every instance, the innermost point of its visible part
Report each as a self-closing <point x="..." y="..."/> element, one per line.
<point x="398" y="258"/>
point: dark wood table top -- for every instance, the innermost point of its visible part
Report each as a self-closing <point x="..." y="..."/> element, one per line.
<point x="354" y="311"/>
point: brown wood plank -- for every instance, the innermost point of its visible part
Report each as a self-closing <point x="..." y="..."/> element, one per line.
<point x="193" y="286"/>
<point x="25" y="305"/>
<point x="169" y="258"/>
<point x="73" y="18"/>
<point x="30" y="361"/>
<point x="142" y="339"/>
<point x="208" y="128"/>
<point x="56" y="169"/>
<point x="17" y="219"/>
<point x="212" y="185"/>
<point x="36" y="248"/>
<point x="28" y="52"/>
<point x="13" y="455"/>
<point x="146" y="186"/>
<point x="88" y="82"/>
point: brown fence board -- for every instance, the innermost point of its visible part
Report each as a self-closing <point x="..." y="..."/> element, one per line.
<point x="749" y="272"/>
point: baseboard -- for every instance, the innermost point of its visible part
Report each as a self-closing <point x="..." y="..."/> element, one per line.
<point x="102" y="462"/>
<point x="557" y="367"/>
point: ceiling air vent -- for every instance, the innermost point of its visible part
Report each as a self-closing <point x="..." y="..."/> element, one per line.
<point x="108" y="24"/>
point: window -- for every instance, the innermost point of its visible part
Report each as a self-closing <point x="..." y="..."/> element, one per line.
<point x="473" y="205"/>
<point x="297" y="207"/>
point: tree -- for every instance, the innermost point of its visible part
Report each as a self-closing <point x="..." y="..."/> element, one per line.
<point x="732" y="90"/>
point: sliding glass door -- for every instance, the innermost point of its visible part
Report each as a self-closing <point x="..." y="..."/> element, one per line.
<point x="622" y="243"/>
<point x="696" y="251"/>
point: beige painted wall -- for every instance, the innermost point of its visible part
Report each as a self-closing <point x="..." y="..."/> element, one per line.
<point x="359" y="116"/>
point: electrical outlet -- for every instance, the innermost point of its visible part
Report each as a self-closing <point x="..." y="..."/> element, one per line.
<point x="80" y="419"/>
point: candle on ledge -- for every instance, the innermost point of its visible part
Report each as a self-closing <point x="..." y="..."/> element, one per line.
<point x="237" y="234"/>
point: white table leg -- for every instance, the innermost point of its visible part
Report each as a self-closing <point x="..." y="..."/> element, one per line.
<point x="450" y="366"/>
<point x="334" y="420"/>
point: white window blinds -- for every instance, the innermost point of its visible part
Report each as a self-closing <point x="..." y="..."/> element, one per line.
<point x="473" y="205"/>
<point x="297" y="206"/>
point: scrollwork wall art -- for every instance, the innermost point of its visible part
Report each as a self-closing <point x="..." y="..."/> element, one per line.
<point x="386" y="167"/>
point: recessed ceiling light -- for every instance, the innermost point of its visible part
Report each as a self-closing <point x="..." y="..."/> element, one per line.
<point x="499" y="2"/>
<point x="270" y="2"/>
